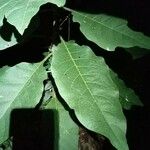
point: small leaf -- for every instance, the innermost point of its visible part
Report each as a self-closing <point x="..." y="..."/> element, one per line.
<point x="68" y="130"/>
<point x="20" y="86"/>
<point x="137" y="52"/>
<point x="84" y="82"/>
<point x="109" y="32"/>
<point x="126" y="95"/>
<point x="20" y="12"/>
<point x="5" y="44"/>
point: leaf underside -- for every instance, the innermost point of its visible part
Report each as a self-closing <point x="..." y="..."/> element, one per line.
<point x="127" y="96"/>
<point x="67" y="129"/>
<point x="5" y="44"/>
<point x="20" y="12"/>
<point x="21" y="86"/>
<point x="109" y="32"/>
<point x="84" y="82"/>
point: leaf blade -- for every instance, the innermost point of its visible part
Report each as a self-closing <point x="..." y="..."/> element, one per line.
<point x="89" y="90"/>
<point x="20" y="12"/>
<point x="127" y="96"/>
<point x="18" y="88"/>
<point x="109" y="32"/>
<point x="68" y="130"/>
<point x="5" y="44"/>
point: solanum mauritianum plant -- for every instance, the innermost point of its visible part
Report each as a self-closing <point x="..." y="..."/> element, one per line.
<point x="83" y="80"/>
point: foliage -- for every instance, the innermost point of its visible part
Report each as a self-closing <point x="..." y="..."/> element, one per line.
<point x="109" y="32"/>
<point x="84" y="80"/>
<point x="20" y="12"/>
<point x="67" y="128"/>
<point x="19" y="88"/>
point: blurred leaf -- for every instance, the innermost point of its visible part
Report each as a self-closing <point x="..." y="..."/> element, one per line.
<point x="68" y="130"/>
<point x="20" y="12"/>
<point x="5" y="44"/>
<point x="126" y="95"/>
<point x="84" y="82"/>
<point x="21" y="86"/>
<point x="137" y="52"/>
<point x="109" y="32"/>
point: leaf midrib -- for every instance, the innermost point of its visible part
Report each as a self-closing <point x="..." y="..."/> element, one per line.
<point x="88" y="88"/>
<point x="24" y="14"/>
<point x="123" y="33"/>
<point x="29" y="78"/>
<point x="5" y="4"/>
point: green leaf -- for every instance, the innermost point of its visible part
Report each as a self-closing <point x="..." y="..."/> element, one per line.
<point x="20" y="86"/>
<point x="137" y="52"/>
<point x="68" y="130"/>
<point x="109" y="32"/>
<point x="5" y="44"/>
<point x="19" y="12"/>
<point x="84" y="82"/>
<point x="126" y="95"/>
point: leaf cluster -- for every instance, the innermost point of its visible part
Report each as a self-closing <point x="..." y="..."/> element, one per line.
<point x="73" y="75"/>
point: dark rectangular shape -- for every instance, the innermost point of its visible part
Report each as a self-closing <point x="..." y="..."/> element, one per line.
<point x="32" y="129"/>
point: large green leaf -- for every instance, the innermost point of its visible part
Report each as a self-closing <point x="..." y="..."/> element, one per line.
<point x="21" y="86"/>
<point x="126" y="95"/>
<point x="67" y="129"/>
<point x="109" y="32"/>
<point x="19" y="12"/>
<point x="84" y="82"/>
